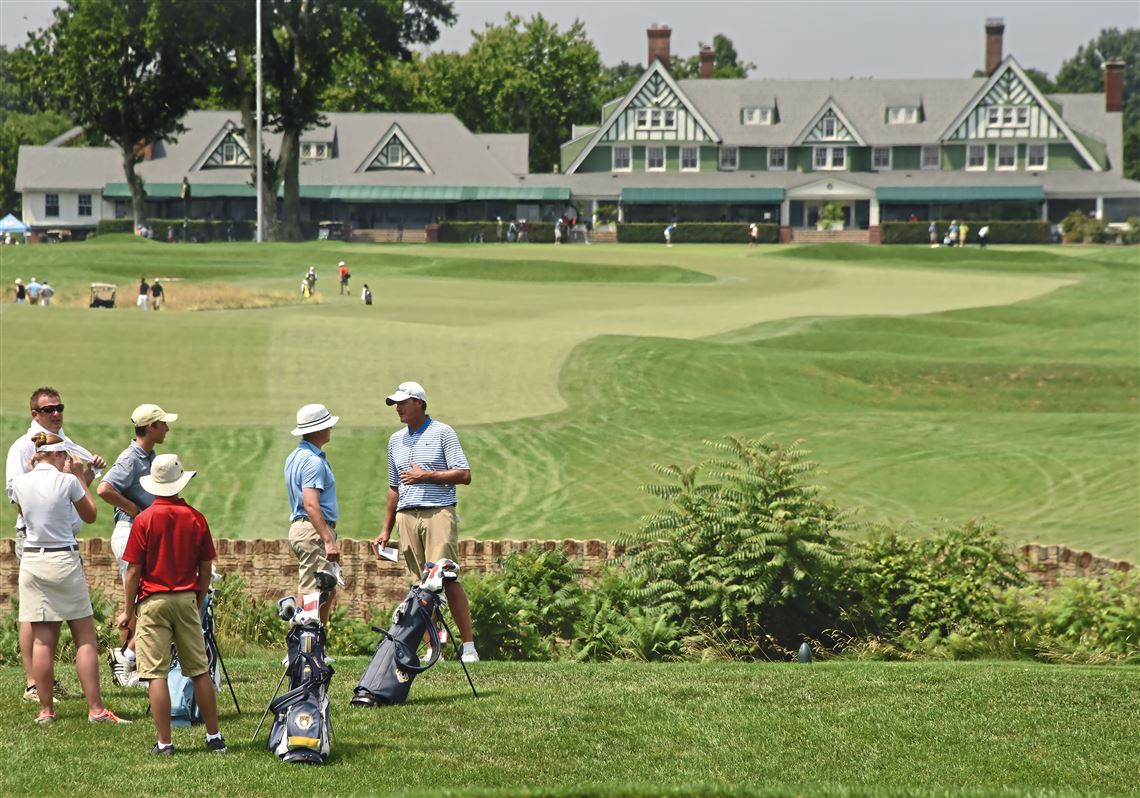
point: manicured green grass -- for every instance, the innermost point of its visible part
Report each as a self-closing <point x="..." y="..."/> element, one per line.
<point x="931" y="384"/>
<point x="838" y="728"/>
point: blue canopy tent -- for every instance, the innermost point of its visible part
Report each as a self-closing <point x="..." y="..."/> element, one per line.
<point x="10" y="224"/>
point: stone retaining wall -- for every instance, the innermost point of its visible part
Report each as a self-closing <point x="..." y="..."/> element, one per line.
<point x="270" y="569"/>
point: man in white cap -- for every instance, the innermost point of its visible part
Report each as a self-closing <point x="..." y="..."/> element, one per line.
<point x="122" y="488"/>
<point x="342" y="270"/>
<point x="425" y="463"/>
<point x="313" y="508"/>
<point x="169" y="558"/>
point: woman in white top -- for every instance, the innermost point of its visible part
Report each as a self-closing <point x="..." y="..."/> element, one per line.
<point x="54" y="499"/>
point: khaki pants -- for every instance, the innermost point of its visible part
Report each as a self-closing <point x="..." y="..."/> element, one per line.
<point x="305" y="542"/>
<point x="427" y="534"/>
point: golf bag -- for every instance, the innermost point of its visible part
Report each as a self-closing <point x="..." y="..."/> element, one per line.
<point x="184" y="709"/>
<point x="302" y="730"/>
<point x="388" y="678"/>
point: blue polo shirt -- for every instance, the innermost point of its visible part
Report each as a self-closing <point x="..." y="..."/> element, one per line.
<point x="307" y="467"/>
<point x="123" y="476"/>
<point x="433" y="447"/>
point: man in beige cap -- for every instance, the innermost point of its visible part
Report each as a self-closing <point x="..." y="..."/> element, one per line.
<point x="170" y="554"/>
<point x="313" y="509"/>
<point x="122" y="488"/>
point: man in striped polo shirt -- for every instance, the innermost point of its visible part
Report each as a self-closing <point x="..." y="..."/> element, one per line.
<point x="313" y="508"/>
<point x="425" y="463"/>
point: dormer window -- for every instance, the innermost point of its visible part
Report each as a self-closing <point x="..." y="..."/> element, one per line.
<point x="229" y="153"/>
<point x="756" y="116"/>
<point x="829" y="127"/>
<point x="1008" y="116"/>
<point x="656" y="118"/>
<point x="313" y="150"/>
<point x="902" y="115"/>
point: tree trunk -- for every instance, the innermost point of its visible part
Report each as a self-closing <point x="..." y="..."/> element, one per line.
<point x="135" y="183"/>
<point x="292" y="193"/>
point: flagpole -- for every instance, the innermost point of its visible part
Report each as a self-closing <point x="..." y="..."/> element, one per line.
<point x="260" y="203"/>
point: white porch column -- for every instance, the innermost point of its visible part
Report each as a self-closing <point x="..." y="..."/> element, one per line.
<point x="1045" y="210"/>
<point x="785" y="212"/>
<point x="621" y="212"/>
<point x="874" y="212"/>
<point x="1100" y="207"/>
<point x="593" y="214"/>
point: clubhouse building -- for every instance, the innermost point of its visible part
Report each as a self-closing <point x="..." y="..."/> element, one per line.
<point x="776" y="151"/>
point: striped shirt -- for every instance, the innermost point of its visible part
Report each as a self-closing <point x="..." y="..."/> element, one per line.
<point x="308" y="467"/>
<point x="433" y="447"/>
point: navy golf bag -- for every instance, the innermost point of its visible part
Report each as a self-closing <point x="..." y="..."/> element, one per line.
<point x="394" y="666"/>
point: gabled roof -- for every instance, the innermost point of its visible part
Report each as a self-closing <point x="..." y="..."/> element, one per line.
<point x="831" y="106"/>
<point x="229" y="130"/>
<point x="656" y="69"/>
<point x="395" y="132"/>
<point x="1010" y="65"/>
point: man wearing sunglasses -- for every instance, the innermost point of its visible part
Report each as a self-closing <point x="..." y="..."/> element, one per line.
<point x="122" y="489"/>
<point x="47" y="416"/>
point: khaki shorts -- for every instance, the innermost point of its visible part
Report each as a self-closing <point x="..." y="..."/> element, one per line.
<point x="166" y="618"/>
<point x="53" y="587"/>
<point x="429" y="534"/>
<point x="306" y="543"/>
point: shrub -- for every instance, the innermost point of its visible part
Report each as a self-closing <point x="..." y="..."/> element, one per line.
<point x="464" y="232"/>
<point x="1077" y="228"/>
<point x="240" y="621"/>
<point x="201" y="229"/>
<point x="696" y="233"/>
<point x="1132" y="234"/>
<point x="1088" y="620"/>
<point x="1028" y="232"/>
<point x="831" y="215"/>
<point x="753" y="553"/>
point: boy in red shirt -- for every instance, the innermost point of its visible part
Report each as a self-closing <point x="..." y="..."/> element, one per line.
<point x="169" y="558"/>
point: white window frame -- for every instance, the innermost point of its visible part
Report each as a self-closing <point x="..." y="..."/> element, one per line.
<point x="84" y="204"/>
<point x="1007" y="116"/>
<point x="1029" y="156"/>
<point x="306" y="150"/>
<point x="1004" y="149"/>
<point x="322" y="151"/>
<point x="878" y="151"/>
<point x="628" y="159"/>
<point x="51" y="201"/>
<point x="695" y="153"/>
<point x="756" y="116"/>
<point x="643" y="118"/>
<point x="780" y="167"/>
<point x="656" y="119"/>
<point x="390" y="149"/>
<point x="649" y="158"/>
<point x="829" y="122"/>
<point x="670" y="122"/>
<point x="829" y="161"/>
<point x="937" y="149"/>
<point x="229" y="152"/>
<point x="726" y="164"/>
<point x="902" y="115"/>
<point x="985" y="157"/>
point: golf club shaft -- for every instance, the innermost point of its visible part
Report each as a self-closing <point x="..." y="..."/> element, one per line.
<point x="257" y="731"/>
<point x="226" y="673"/>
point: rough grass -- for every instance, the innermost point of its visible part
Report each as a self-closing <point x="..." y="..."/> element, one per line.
<point x="930" y="383"/>
<point x="627" y="729"/>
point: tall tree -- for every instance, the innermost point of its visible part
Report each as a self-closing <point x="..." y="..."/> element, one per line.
<point x="303" y="41"/>
<point x="1084" y="72"/>
<point x="616" y="81"/>
<point x="726" y="63"/>
<point x="122" y="69"/>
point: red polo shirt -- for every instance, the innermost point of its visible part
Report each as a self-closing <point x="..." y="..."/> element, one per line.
<point x="169" y="539"/>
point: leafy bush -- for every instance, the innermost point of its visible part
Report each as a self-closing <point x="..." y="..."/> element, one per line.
<point x="1132" y="234"/>
<point x="831" y="215"/>
<point x="201" y="229"/>
<point x="464" y="232"/>
<point x="1088" y="620"/>
<point x="1077" y="228"/>
<point x="696" y="233"/>
<point x="240" y="621"/>
<point x="1028" y="232"/>
<point x="753" y="553"/>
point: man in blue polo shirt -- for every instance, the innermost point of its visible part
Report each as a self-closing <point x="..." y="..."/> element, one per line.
<point x="425" y="463"/>
<point x="313" y="509"/>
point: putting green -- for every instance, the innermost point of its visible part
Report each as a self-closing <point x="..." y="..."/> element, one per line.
<point x="569" y="371"/>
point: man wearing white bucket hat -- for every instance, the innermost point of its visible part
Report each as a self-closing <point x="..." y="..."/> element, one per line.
<point x="313" y="510"/>
<point x="169" y="558"/>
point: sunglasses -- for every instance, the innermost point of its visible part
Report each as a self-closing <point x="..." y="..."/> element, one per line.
<point x="48" y="410"/>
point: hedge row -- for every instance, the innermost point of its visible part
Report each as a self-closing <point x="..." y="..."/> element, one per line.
<point x="200" y="229"/>
<point x="696" y="233"/>
<point x="1036" y="232"/>
<point x="465" y="232"/>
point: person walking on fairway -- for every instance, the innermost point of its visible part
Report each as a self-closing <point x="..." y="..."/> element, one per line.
<point x="425" y="463"/>
<point x="669" y="234"/>
<point x="342" y="270"/>
<point x="170" y="562"/>
<point x="313" y="508"/>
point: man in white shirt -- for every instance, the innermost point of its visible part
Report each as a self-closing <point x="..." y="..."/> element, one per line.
<point x="47" y="416"/>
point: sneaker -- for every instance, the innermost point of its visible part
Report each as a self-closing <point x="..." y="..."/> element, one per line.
<point x="31" y="693"/>
<point x="470" y="655"/>
<point x="161" y="750"/>
<point x="45" y="718"/>
<point x="59" y="691"/>
<point x="106" y="716"/>
<point x="120" y="666"/>
<point x="217" y="745"/>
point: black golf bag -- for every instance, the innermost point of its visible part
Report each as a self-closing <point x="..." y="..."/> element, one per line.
<point x="394" y="666"/>
<point x="302" y="730"/>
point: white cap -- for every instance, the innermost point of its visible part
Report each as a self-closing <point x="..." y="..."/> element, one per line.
<point x="314" y="418"/>
<point x="407" y="390"/>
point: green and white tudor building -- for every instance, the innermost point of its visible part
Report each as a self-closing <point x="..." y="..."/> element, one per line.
<point x="993" y="147"/>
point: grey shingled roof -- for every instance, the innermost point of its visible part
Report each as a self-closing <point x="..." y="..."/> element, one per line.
<point x="511" y="149"/>
<point x="68" y="168"/>
<point x="1085" y="112"/>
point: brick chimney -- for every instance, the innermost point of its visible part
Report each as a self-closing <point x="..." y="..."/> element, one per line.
<point x="658" y="43"/>
<point x="995" y="27"/>
<point x="708" y="62"/>
<point x="1114" y="85"/>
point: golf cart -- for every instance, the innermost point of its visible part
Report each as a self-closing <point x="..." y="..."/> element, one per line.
<point x="330" y="231"/>
<point x="102" y="295"/>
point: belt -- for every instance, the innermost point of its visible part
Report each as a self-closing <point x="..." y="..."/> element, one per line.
<point x="425" y="507"/>
<point x="296" y="518"/>
<point x="46" y="549"/>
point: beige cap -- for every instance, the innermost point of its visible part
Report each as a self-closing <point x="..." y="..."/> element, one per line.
<point x="145" y="415"/>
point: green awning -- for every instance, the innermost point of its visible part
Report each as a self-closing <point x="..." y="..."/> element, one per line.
<point x="356" y="193"/>
<point x="960" y="194"/>
<point x="701" y="196"/>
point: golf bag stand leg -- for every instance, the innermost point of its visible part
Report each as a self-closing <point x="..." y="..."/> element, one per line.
<point x="458" y="654"/>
